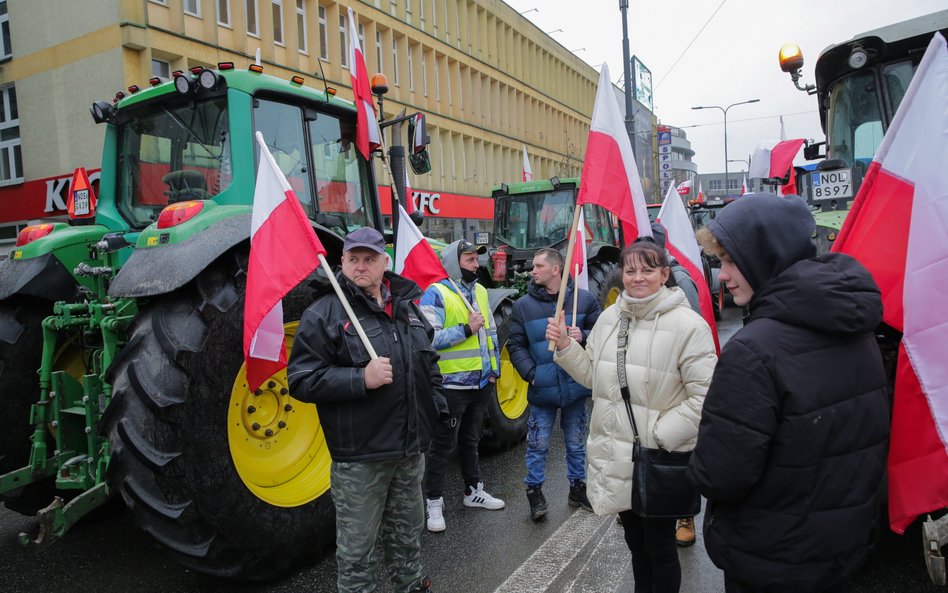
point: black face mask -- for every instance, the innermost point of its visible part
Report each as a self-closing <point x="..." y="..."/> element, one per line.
<point x="468" y="276"/>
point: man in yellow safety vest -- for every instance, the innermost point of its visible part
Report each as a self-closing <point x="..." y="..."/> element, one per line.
<point x="467" y="343"/>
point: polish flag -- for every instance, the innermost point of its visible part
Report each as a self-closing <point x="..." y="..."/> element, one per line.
<point x="579" y="256"/>
<point x="278" y="227"/>
<point x="774" y="160"/>
<point x="744" y="185"/>
<point x="609" y="176"/>
<point x="684" y="187"/>
<point x="368" y="135"/>
<point x="527" y="171"/>
<point x="409" y="194"/>
<point x="681" y="243"/>
<point x="414" y="257"/>
<point x="700" y="197"/>
<point x="897" y="230"/>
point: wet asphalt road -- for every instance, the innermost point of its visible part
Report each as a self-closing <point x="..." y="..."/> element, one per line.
<point x="480" y="549"/>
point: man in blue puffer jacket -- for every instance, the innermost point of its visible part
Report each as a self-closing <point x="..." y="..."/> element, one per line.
<point x="551" y="388"/>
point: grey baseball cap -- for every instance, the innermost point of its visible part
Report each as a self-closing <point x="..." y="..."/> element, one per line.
<point x="366" y="237"/>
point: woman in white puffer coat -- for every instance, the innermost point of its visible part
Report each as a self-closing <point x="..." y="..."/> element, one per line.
<point x="669" y="361"/>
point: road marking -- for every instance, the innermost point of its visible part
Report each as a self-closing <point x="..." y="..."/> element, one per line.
<point x="554" y="560"/>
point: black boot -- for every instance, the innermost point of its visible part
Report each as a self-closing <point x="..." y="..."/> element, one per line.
<point x="577" y="495"/>
<point x="537" y="502"/>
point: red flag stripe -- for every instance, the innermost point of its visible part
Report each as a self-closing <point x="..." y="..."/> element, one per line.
<point x="704" y="293"/>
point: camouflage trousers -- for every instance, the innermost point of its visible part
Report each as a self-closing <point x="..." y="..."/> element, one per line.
<point x="378" y="499"/>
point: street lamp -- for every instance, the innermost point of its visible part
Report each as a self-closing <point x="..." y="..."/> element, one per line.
<point x="724" y="110"/>
<point x="529" y="10"/>
<point x="553" y="31"/>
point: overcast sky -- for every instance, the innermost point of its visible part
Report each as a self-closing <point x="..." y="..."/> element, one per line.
<point x="733" y="59"/>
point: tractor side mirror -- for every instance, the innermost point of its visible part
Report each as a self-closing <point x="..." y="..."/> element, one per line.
<point x="418" y="141"/>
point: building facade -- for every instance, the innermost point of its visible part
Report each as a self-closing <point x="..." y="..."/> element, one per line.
<point x="489" y="81"/>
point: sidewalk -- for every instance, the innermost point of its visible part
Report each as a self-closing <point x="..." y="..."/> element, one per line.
<point x="588" y="554"/>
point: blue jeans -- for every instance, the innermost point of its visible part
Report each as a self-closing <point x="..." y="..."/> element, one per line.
<point x="573" y="421"/>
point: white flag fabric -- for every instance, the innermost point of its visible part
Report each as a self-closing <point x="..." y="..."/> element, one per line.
<point x="527" y="174"/>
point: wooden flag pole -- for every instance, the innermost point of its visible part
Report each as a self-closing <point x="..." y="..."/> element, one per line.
<point x="569" y="257"/>
<point x="575" y="293"/>
<point x="347" y="307"/>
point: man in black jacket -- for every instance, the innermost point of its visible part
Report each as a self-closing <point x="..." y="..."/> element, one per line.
<point x="793" y="438"/>
<point x="377" y="415"/>
<point x="551" y="388"/>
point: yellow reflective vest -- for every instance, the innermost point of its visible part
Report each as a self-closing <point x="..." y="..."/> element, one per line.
<point x="465" y="356"/>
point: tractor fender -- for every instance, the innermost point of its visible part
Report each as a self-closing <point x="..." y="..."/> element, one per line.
<point x="44" y="277"/>
<point x="603" y="251"/>
<point x="715" y="284"/>
<point x="158" y="270"/>
<point x="495" y="296"/>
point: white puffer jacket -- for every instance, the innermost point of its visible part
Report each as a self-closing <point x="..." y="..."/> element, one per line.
<point x="669" y="362"/>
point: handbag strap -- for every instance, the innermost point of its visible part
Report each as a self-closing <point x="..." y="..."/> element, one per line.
<point x="623" y="343"/>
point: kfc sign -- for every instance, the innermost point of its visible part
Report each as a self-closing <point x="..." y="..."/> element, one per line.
<point x="426" y="202"/>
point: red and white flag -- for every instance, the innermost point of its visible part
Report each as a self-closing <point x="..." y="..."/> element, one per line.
<point x="278" y="227"/>
<point x="700" y="196"/>
<point x="774" y="161"/>
<point x="368" y="135"/>
<point x="610" y="178"/>
<point x="897" y="229"/>
<point x="684" y="187"/>
<point x="409" y="197"/>
<point x="744" y="185"/>
<point x="579" y="256"/>
<point x="681" y="243"/>
<point x="414" y="257"/>
<point x="527" y="174"/>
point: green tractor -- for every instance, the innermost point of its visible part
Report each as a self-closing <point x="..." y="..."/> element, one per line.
<point x="859" y="85"/>
<point x="136" y="321"/>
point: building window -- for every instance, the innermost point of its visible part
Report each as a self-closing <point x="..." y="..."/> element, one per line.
<point x="278" y="22"/>
<point x="395" y="59"/>
<point x="380" y="64"/>
<point x="714" y="184"/>
<point x="362" y="39"/>
<point x="192" y="7"/>
<point x="6" y="47"/>
<point x="437" y="80"/>
<point x="252" y="27"/>
<point x="424" y="74"/>
<point x="434" y="16"/>
<point x="733" y="183"/>
<point x="323" y="33"/>
<point x="393" y="8"/>
<point x="343" y="40"/>
<point x="408" y="11"/>
<point x="161" y="68"/>
<point x="411" y="71"/>
<point x="301" y="26"/>
<point x="223" y="12"/>
<point x="11" y="161"/>
<point x="421" y="14"/>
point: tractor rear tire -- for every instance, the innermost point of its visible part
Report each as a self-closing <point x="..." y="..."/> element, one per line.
<point x="507" y="412"/>
<point x="611" y="289"/>
<point x="600" y="274"/>
<point x="21" y="349"/>
<point x="174" y="434"/>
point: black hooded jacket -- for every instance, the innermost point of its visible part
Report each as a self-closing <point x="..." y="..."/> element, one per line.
<point x="327" y="367"/>
<point x="793" y="438"/>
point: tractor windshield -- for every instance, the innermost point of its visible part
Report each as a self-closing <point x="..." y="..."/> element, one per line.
<point x="171" y="154"/>
<point x="330" y="170"/>
<point x="531" y="221"/>
<point x="860" y="111"/>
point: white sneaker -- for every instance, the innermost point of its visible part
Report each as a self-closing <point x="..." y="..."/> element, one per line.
<point x="481" y="499"/>
<point x="435" y="513"/>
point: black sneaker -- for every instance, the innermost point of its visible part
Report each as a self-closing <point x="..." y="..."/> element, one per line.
<point x="537" y="503"/>
<point x="577" y="495"/>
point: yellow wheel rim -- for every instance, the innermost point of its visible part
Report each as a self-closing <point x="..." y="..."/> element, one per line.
<point x="511" y="389"/>
<point x="276" y="442"/>
<point x="612" y="296"/>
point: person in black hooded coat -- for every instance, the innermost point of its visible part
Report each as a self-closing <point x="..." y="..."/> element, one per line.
<point x="792" y="444"/>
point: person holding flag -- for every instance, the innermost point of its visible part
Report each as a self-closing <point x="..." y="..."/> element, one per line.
<point x="377" y="413"/>
<point x="465" y="335"/>
<point x="793" y="438"/>
<point x="550" y="388"/>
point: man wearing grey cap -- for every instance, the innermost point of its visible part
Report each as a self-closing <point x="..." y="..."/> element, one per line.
<point x="377" y="415"/>
<point x="467" y="344"/>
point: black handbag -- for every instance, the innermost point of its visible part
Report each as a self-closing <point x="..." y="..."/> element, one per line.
<point x="661" y="487"/>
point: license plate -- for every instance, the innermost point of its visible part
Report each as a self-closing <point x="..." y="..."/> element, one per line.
<point x="829" y="185"/>
<point x="80" y="202"/>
